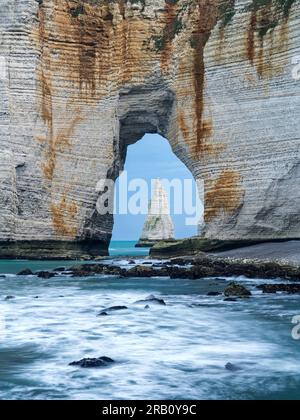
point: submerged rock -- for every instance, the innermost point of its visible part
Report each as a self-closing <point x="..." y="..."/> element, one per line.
<point x="26" y="272"/>
<point x="152" y="299"/>
<point x="212" y="294"/>
<point x="60" y="269"/>
<point x="106" y="311"/>
<point x="274" y="288"/>
<point x="144" y="271"/>
<point x="45" y="275"/>
<point x="232" y="368"/>
<point x="237" y="290"/>
<point x="10" y="297"/>
<point x="87" y="270"/>
<point x="93" y="363"/>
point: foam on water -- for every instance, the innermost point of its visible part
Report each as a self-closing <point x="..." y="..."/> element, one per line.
<point x="173" y="352"/>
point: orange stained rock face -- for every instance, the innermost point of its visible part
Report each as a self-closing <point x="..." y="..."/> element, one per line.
<point x="206" y="18"/>
<point x="89" y="50"/>
<point x="223" y="194"/>
<point x="93" y="49"/>
<point x="58" y="143"/>
<point x="267" y="36"/>
<point x="169" y="32"/>
<point x="64" y="216"/>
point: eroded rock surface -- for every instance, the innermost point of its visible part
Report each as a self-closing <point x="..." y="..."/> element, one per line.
<point x="159" y="225"/>
<point x="81" y="80"/>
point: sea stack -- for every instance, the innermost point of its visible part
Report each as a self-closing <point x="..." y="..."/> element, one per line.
<point x="159" y="225"/>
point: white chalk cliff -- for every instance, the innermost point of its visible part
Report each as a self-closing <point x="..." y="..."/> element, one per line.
<point x="159" y="225"/>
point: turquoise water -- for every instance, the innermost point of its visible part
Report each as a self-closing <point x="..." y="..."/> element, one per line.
<point x="117" y="249"/>
<point x="122" y="248"/>
<point x="178" y="351"/>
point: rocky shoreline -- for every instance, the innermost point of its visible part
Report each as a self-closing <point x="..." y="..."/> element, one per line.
<point x="194" y="268"/>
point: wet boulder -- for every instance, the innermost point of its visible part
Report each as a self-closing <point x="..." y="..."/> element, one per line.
<point x="26" y="272"/>
<point x="232" y="368"/>
<point x="237" y="290"/>
<point x="214" y="294"/>
<point x="141" y="271"/>
<point x="106" y="311"/>
<point x="45" y="275"/>
<point x="230" y="300"/>
<point x="99" y="362"/>
<point x="152" y="299"/>
<point x="86" y="270"/>
<point x="285" y="288"/>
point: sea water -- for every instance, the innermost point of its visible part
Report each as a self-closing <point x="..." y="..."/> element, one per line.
<point x="177" y="351"/>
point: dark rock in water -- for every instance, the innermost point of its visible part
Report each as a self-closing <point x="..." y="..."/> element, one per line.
<point x="131" y="262"/>
<point x="147" y="307"/>
<point x="196" y="272"/>
<point x="147" y="263"/>
<point x="230" y="300"/>
<point x="2" y="276"/>
<point x="93" y="363"/>
<point x="152" y="299"/>
<point x="45" y="275"/>
<point x="232" y="368"/>
<point x="274" y="288"/>
<point x="141" y="271"/>
<point x="214" y="294"/>
<point x="60" y="269"/>
<point x="26" y="272"/>
<point x="87" y="270"/>
<point x="112" y="309"/>
<point x="237" y="290"/>
<point x="214" y="266"/>
<point x="36" y="297"/>
<point x="10" y="297"/>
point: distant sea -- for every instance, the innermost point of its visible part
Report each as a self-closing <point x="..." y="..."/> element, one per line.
<point x="117" y="249"/>
<point x="127" y="248"/>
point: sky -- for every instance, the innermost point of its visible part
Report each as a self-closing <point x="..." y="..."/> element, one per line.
<point x="149" y="159"/>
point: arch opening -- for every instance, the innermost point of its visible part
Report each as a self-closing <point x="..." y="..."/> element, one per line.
<point x="146" y="160"/>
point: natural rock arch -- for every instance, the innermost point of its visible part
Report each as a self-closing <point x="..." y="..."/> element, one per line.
<point x="86" y="79"/>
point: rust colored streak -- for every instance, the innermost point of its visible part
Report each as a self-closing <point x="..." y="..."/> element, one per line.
<point x="183" y="126"/>
<point x="122" y="7"/>
<point x="45" y="83"/>
<point x="207" y="18"/>
<point x="64" y="216"/>
<point x="91" y="30"/>
<point x="251" y="37"/>
<point x="223" y="195"/>
<point x="58" y="144"/>
<point x="260" y="59"/>
<point x="168" y="34"/>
